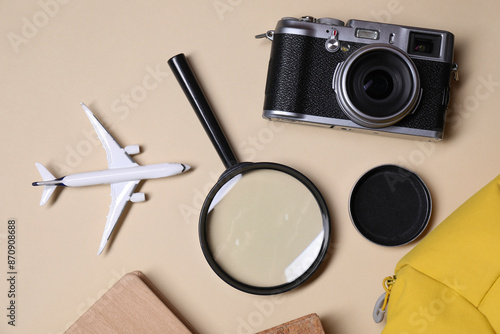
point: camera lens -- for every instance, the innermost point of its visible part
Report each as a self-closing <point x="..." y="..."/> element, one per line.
<point x="379" y="83"/>
<point x="377" y="86"/>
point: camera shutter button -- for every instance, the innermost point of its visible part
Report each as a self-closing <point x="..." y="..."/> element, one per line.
<point x="308" y="19"/>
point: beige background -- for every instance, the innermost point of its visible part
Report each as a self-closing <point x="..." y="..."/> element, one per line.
<point x="55" y="55"/>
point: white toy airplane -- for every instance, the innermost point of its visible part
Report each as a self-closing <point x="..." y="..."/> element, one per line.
<point x="124" y="174"/>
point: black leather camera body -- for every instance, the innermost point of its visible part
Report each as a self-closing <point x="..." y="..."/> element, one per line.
<point x="362" y="76"/>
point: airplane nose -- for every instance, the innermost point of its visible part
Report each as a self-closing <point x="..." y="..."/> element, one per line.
<point x="185" y="168"/>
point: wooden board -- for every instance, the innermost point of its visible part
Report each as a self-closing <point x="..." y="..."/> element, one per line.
<point x="309" y="324"/>
<point x="132" y="305"/>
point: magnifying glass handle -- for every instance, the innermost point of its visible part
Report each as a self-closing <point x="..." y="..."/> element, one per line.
<point x="194" y="94"/>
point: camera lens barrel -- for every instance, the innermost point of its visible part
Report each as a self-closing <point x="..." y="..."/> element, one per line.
<point x="377" y="86"/>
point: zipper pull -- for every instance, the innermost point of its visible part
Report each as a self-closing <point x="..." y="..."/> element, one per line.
<point x="381" y="304"/>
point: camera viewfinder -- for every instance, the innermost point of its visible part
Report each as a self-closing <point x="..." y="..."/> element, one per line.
<point x="424" y="44"/>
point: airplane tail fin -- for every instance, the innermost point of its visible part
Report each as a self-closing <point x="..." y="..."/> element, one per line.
<point x="48" y="189"/>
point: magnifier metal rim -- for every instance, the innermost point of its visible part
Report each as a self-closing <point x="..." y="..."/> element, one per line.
<point x="423" y="188"/>
<point x="202" y="229"/>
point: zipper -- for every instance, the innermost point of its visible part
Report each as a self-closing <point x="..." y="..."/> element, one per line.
<point x="381" y="304"/>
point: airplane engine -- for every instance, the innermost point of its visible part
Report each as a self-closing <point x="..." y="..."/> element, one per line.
<point x="132" y="149"/>
<point x="138" y="197"/>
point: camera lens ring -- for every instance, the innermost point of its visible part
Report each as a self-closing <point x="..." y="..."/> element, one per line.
<point x="405" y="89"/>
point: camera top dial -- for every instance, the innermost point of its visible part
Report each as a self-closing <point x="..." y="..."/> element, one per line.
<point x="330" y="21"/>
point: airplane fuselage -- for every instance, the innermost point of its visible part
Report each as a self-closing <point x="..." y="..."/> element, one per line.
<point x="117" y="175"/>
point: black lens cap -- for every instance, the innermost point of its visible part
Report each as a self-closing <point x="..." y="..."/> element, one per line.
<point x="390" y="205"/>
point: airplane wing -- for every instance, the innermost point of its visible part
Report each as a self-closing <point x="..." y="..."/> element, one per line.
<point x="120" y="195"/>
<point x="117" y="157"/>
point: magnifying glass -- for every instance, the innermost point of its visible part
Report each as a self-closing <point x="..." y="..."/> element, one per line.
<point x="264" y="227"/>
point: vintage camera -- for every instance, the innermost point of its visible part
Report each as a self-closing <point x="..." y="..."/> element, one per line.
<point x="362" y="76"/>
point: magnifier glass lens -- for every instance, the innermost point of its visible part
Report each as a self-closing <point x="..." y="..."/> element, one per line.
<point x="264" y="228"/>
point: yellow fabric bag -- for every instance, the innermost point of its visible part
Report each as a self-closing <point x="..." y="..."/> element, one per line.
<point x="450" y="281"/>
